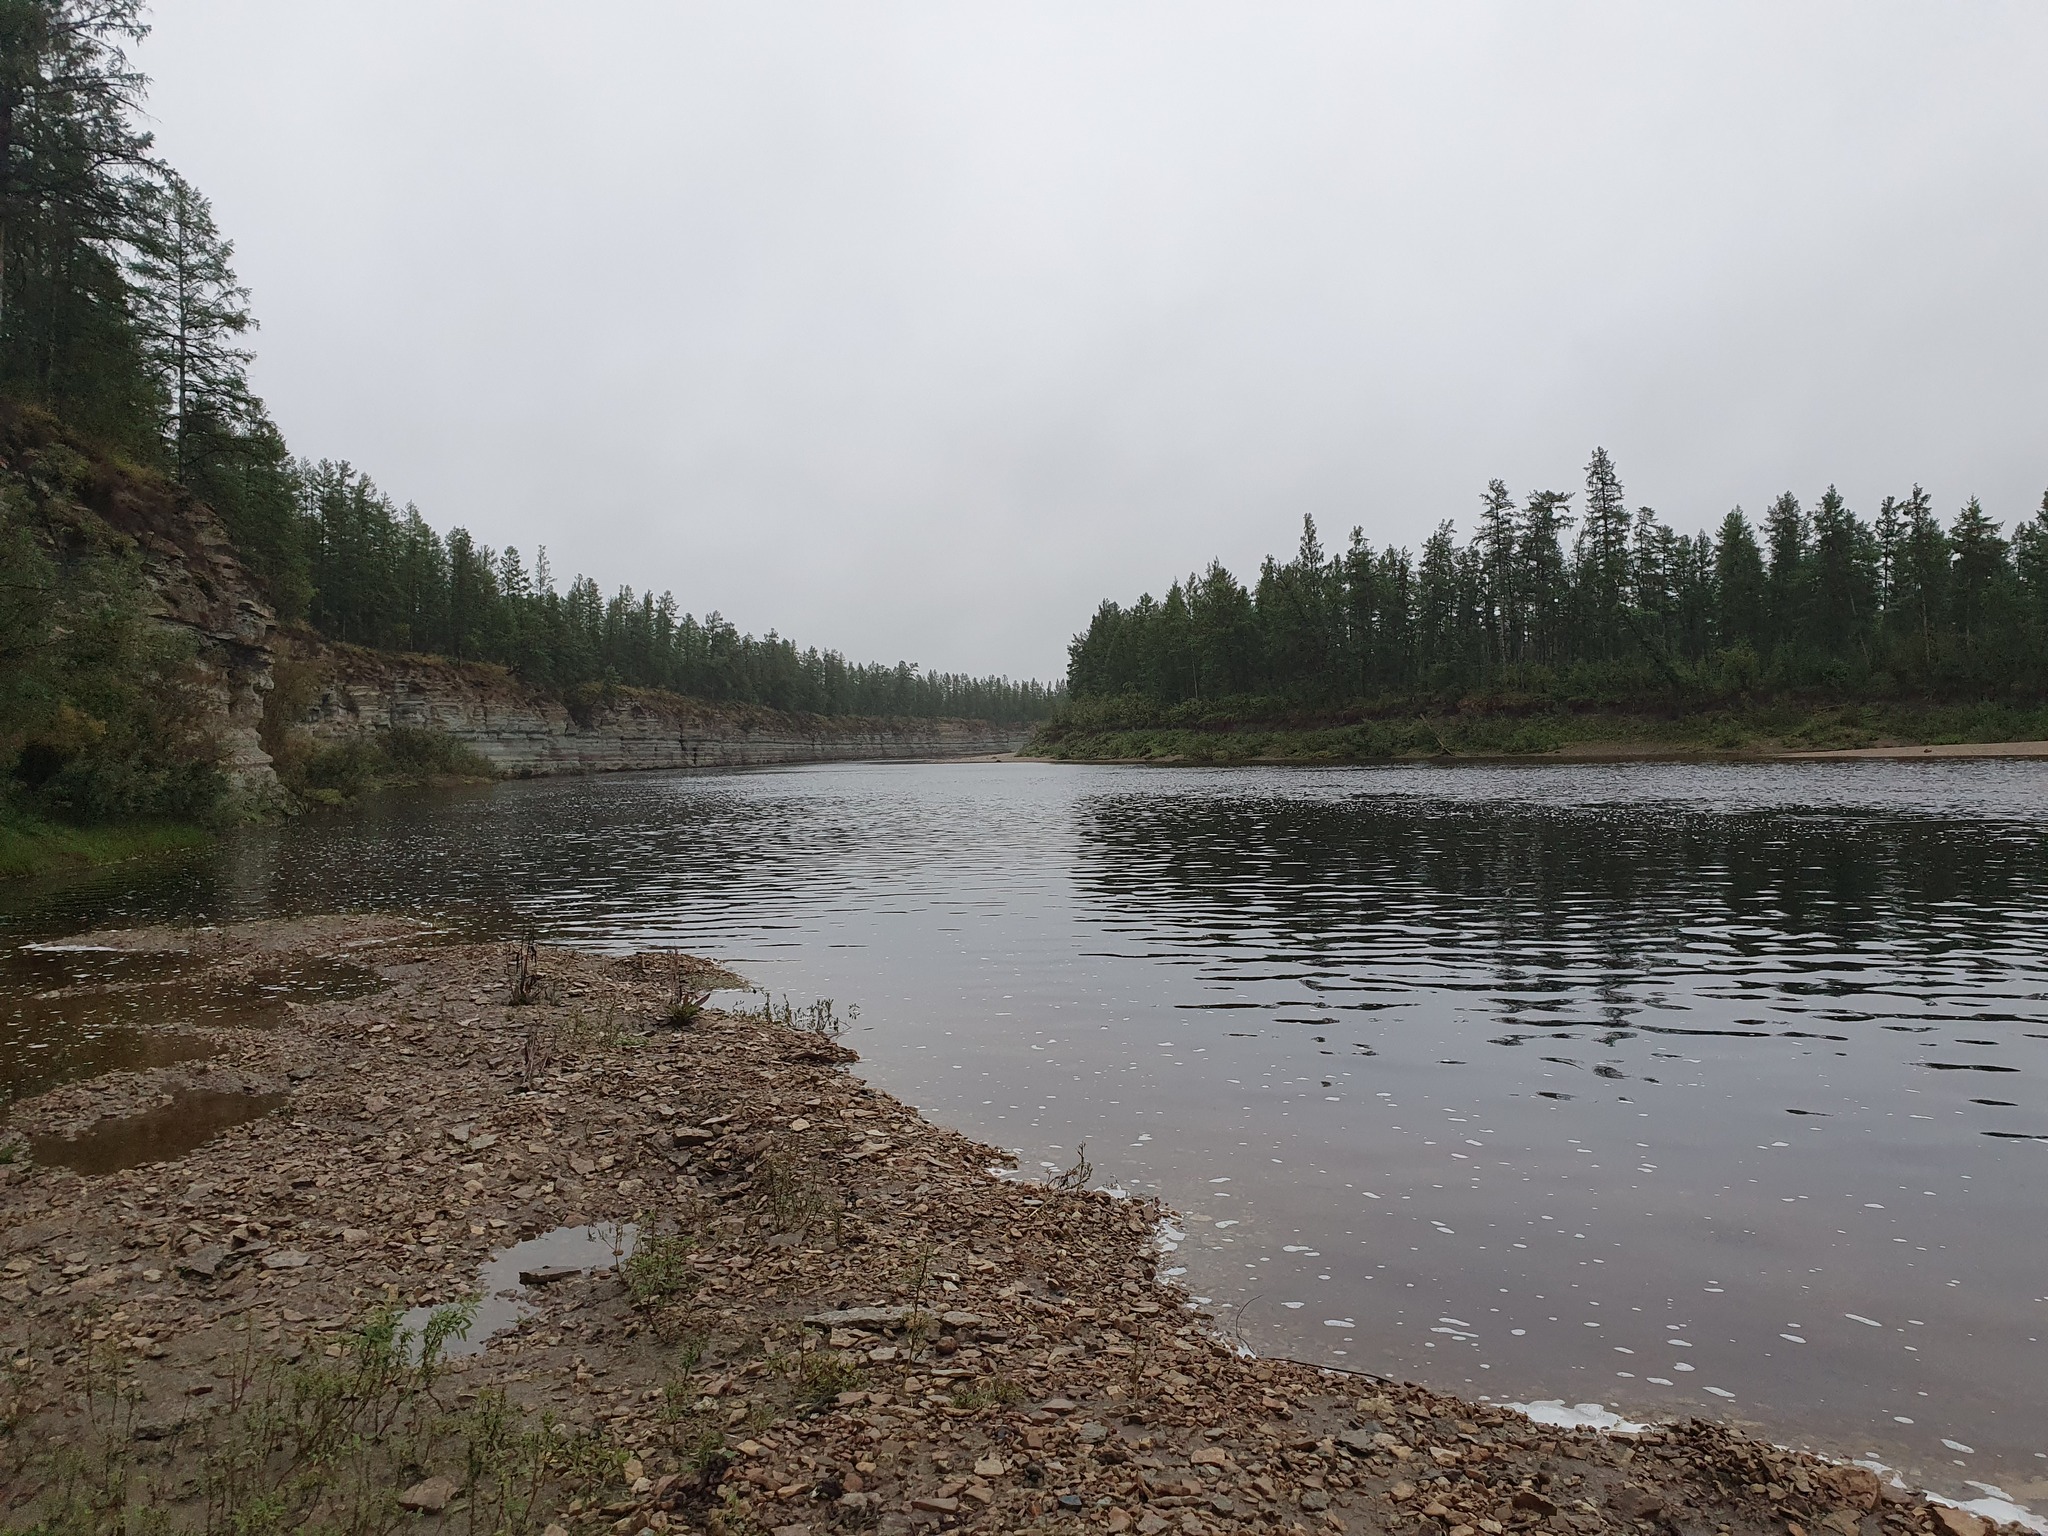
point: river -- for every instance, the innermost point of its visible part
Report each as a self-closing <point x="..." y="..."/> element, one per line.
<point x="1678" y="1089"/>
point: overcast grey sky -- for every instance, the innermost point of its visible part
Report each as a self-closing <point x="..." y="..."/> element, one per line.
<point x="917" y="329"/>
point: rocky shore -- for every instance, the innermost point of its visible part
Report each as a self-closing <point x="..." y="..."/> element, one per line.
<point x="754" y="1295"/>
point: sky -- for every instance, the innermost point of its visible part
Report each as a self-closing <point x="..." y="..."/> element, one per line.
<point x="916" y="330"/>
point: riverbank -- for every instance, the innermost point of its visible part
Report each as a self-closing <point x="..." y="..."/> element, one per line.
<point x="833" y="1316"/>
<point x="30" y="848"/>
<point x="338" y="699"/>
<point x="1764" y="733"/>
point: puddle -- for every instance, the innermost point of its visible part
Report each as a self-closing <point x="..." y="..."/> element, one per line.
<point x="70" y="1014"/>
<point x="40" y="967"/>
<point x="30" y="1065"/>
<point x="552" y="1257"/>
<point x="157" y="1135"/>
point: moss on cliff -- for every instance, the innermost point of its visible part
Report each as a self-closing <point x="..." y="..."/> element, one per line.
<point x="104" y="716"/>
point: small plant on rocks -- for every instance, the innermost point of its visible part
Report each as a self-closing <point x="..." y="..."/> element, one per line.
<point x="791" y="1199"/>
<point x="658" y="1271"/>
<point x="1075" y="1179"/>
<point x="524" y="978"/>
<point x="990" y="1392"/>
<point x="822" y="1375"/>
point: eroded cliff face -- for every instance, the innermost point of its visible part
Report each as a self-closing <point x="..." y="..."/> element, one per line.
<point x="85" y="503"/>
<point x="351" y="693"/>
<point x="201" y="586"/>
<point x="198" y="584"/>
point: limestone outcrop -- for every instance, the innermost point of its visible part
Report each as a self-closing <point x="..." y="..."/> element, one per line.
<point x="350" y="693"/>
<point x="197" y="583"/>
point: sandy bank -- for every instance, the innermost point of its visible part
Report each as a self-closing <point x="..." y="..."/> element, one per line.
<point x="1589" y="752"/>
<point x="1950" y="749"/>
<point x="834" y="1318"/>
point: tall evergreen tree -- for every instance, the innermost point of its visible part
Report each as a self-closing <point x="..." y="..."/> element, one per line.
<point x="1921" y="577"/>
<point x="1785" y="539"/>
<point x="1603" y="563"/>
<point x="192" y="314"/>
<point x="1977" y="587"/>
<point x="1501" y="601"/>
<point x="1741" y="588"/>
<point x="75" y="174"/>
<point x="1843" y="579"/>
<point x="1545" y="576"/>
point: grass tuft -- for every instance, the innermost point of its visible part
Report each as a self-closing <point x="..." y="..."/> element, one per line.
<point x="29" y="847"/>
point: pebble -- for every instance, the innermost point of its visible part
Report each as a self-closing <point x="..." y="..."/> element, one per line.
<point x="429" y="1495"/>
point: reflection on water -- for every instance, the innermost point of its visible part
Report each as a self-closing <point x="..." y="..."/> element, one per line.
<point x="155" y="1135"/>
<point x="505" y="1277"/>
<point x="1685" y="1089"/>
<point x="68" y="1013"/>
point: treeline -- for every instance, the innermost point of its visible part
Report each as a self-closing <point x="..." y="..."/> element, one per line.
<point x="121" y="314"/>
<point x="1600" y="603"/>
<point x="372" y="574"/>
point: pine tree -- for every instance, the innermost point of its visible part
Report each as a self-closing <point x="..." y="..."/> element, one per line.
<point x="74" y="195"/>
<point x="2030" y="561"/>
<point x="1843" y="579"/>
<point x="1980" y="563"/>
<point x="191" y="313"/>
<point x="1921" y="577"/>
<point x="1500" y="601"/>
<point x="1544" y="576"/>
<point x="1785" y="543"/>
<point x="1740" y="586"/>
<point x="1603" y="564"/>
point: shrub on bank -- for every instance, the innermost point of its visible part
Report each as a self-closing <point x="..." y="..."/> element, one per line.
<point x="1099" y="734"/>
<point x="403" y="755"/>
<point x="101" y="710"/>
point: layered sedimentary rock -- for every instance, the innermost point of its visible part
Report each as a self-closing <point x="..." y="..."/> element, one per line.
<point x="201" y="586"/>
<point x="352" y="693"/>
<point x="81" y="503"/>
<point x="198" y="584"/>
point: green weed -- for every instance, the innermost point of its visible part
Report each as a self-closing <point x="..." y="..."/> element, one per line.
<point x="822" y="1375"/>
<point x="989" y="1392"/>
<point x="321" y="1447"/>
<point x="659" y="1271"/>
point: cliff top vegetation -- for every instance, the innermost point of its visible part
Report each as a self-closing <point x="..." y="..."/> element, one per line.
<point x="124" y="367"/>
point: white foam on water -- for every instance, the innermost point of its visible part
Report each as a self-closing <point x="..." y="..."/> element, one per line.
<point x="2004" y="1511"/>
<point x="1995" y="1506"/>
<point x="1553" y="1412"/>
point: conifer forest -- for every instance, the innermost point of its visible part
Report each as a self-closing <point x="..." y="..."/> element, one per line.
<point x="121" y="315"/>
<point x="1579" y="598"/>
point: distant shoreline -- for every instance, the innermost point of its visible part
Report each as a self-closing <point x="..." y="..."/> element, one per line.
<point x="1581" y="753"/>
<point x="1525" y="731"/>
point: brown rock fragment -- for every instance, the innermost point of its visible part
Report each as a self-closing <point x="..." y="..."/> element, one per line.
<point x="428" y="1496"/>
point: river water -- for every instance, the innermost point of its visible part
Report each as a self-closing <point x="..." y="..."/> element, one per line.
<point x="1680" y="1089"/>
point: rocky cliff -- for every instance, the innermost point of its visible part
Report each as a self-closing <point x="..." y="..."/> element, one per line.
<point x="83" y="504"/>
<point x="195" y="582"/>
<point x="340" y="693"/>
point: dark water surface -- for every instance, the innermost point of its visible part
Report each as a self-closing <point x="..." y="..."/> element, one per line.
<point x="1682" y="1089"/>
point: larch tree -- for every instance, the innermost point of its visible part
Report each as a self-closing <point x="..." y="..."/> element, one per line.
<point x="193" y="313"/>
